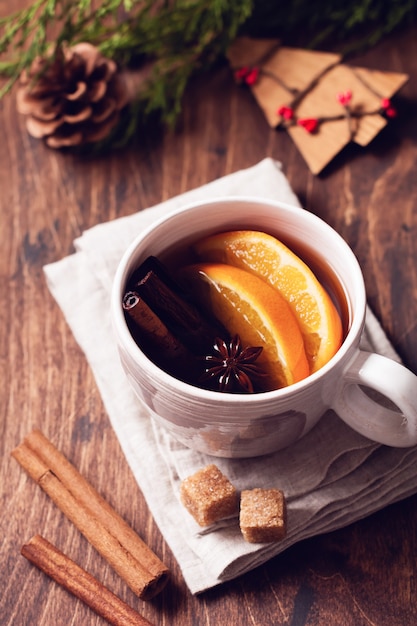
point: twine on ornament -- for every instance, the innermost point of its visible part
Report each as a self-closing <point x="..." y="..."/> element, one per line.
<point x="286" y="113"/>
<point x="323" y="103"/>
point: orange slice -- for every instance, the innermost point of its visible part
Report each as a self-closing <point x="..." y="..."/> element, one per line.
<point x="245" y="304"/>
<point x="270" y="259"/>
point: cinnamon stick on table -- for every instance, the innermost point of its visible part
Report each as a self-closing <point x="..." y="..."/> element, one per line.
<point x="112" y="537"/>
<point x="80" y="583"/>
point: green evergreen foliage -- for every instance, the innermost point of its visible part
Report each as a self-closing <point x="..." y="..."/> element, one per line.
<point x="345" y="24"/>
<point x="182" y="37"/>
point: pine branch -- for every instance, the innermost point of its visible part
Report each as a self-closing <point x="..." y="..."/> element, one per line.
<point x="348" y="25"/>
<point x="122" y="29"/>
<point x="181" y="37"/>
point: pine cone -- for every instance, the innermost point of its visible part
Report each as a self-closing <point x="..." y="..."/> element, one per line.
<point x="74" y="98"/>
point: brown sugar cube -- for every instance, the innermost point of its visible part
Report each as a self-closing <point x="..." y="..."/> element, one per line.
<point x="209" y="496"/>
<point x="263" y="517"/>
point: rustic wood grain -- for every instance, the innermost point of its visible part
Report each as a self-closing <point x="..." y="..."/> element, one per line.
<point x="363" y="575"/>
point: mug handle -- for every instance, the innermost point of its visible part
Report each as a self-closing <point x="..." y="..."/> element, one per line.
<point x="396" y="426"/>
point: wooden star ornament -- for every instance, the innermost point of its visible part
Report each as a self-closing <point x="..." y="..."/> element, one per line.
<point x="321" y="102"/>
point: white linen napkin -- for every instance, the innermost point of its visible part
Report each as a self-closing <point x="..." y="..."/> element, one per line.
<point x="331" y="478"/>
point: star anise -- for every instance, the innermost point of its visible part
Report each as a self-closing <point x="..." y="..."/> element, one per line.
<point x="232" y="368"/>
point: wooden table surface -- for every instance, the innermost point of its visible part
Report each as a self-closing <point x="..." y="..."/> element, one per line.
<point x="362" y="575"/>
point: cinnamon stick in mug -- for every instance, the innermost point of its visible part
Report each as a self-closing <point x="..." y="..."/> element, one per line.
<point x="157" y="341"/>
<point x="80" y="583"/>
<point x="152" y="328"/>
<point x="112" y="537"/>
<point x="180" y="316"/>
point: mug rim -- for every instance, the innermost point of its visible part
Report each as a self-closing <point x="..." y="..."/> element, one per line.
<point x="167" y="381"/>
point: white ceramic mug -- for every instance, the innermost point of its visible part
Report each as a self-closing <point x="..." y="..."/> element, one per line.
<point x="245" y="425"/>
